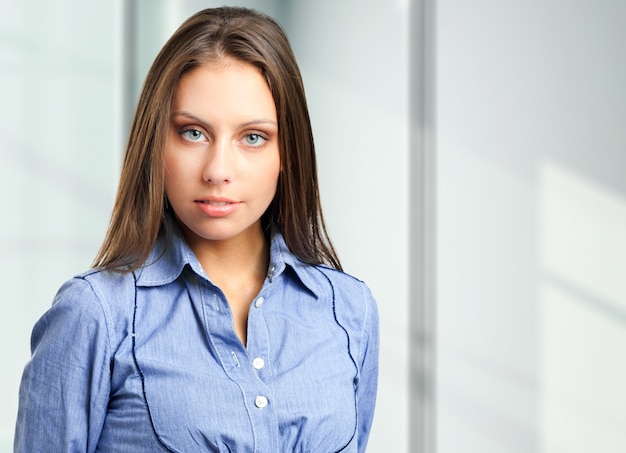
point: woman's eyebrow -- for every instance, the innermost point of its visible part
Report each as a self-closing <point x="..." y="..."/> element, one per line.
<point x="253" y="122"/>
<point x="258" y="121"/>
<point x="188" y="115"/>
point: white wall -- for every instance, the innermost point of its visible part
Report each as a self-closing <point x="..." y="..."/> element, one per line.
<point x="531" y="157"/>
<point x="58" y="162"/>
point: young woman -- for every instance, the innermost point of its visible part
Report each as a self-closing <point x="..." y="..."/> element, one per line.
<point x="216" y="317"/>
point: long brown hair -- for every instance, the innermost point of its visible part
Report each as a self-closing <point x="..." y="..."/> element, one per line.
<point x="209" y="35"/>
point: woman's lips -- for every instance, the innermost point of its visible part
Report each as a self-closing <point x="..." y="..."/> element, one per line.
<point x="217" y="207"/>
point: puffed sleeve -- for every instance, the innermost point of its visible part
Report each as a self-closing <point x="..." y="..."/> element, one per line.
<point x="368" y="380"/>
<point x="65" y="386"/>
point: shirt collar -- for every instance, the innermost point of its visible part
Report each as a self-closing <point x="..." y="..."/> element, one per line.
<point x="171" y="254"/>
<point x="281" y="258"/>
<point x="168" y="258"/>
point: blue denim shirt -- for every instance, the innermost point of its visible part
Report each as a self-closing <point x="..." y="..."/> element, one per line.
<point x="149" y="361"/>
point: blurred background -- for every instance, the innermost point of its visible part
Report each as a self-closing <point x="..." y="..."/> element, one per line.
<point x="472" y="159"/>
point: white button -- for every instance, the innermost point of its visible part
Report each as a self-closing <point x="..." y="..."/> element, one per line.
<point x="258" y="363"/>
<point x="259" y="302"/>
<point x="260" y="402"/>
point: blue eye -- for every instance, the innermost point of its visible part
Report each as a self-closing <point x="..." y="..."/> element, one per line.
<point x="193" y="135"/>
<point x="254" y="140"/>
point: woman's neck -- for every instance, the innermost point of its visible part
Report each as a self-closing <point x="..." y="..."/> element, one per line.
<point x="233" y="261"/>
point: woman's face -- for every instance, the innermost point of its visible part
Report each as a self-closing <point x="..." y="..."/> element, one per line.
<point x="222" y="153"/>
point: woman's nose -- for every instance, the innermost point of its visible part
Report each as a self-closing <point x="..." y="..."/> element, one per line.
<point x="219" y="164"/>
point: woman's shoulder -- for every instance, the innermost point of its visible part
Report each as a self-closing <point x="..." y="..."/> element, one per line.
<point x="352" y="297"/>
<point x="107" y="285"/>
<point x="95" y="298"/>
<point x="341" y="280"/>
<point x="96" y="291"/>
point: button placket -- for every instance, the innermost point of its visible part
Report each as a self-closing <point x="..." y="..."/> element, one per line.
<point x="258" y="342"/>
